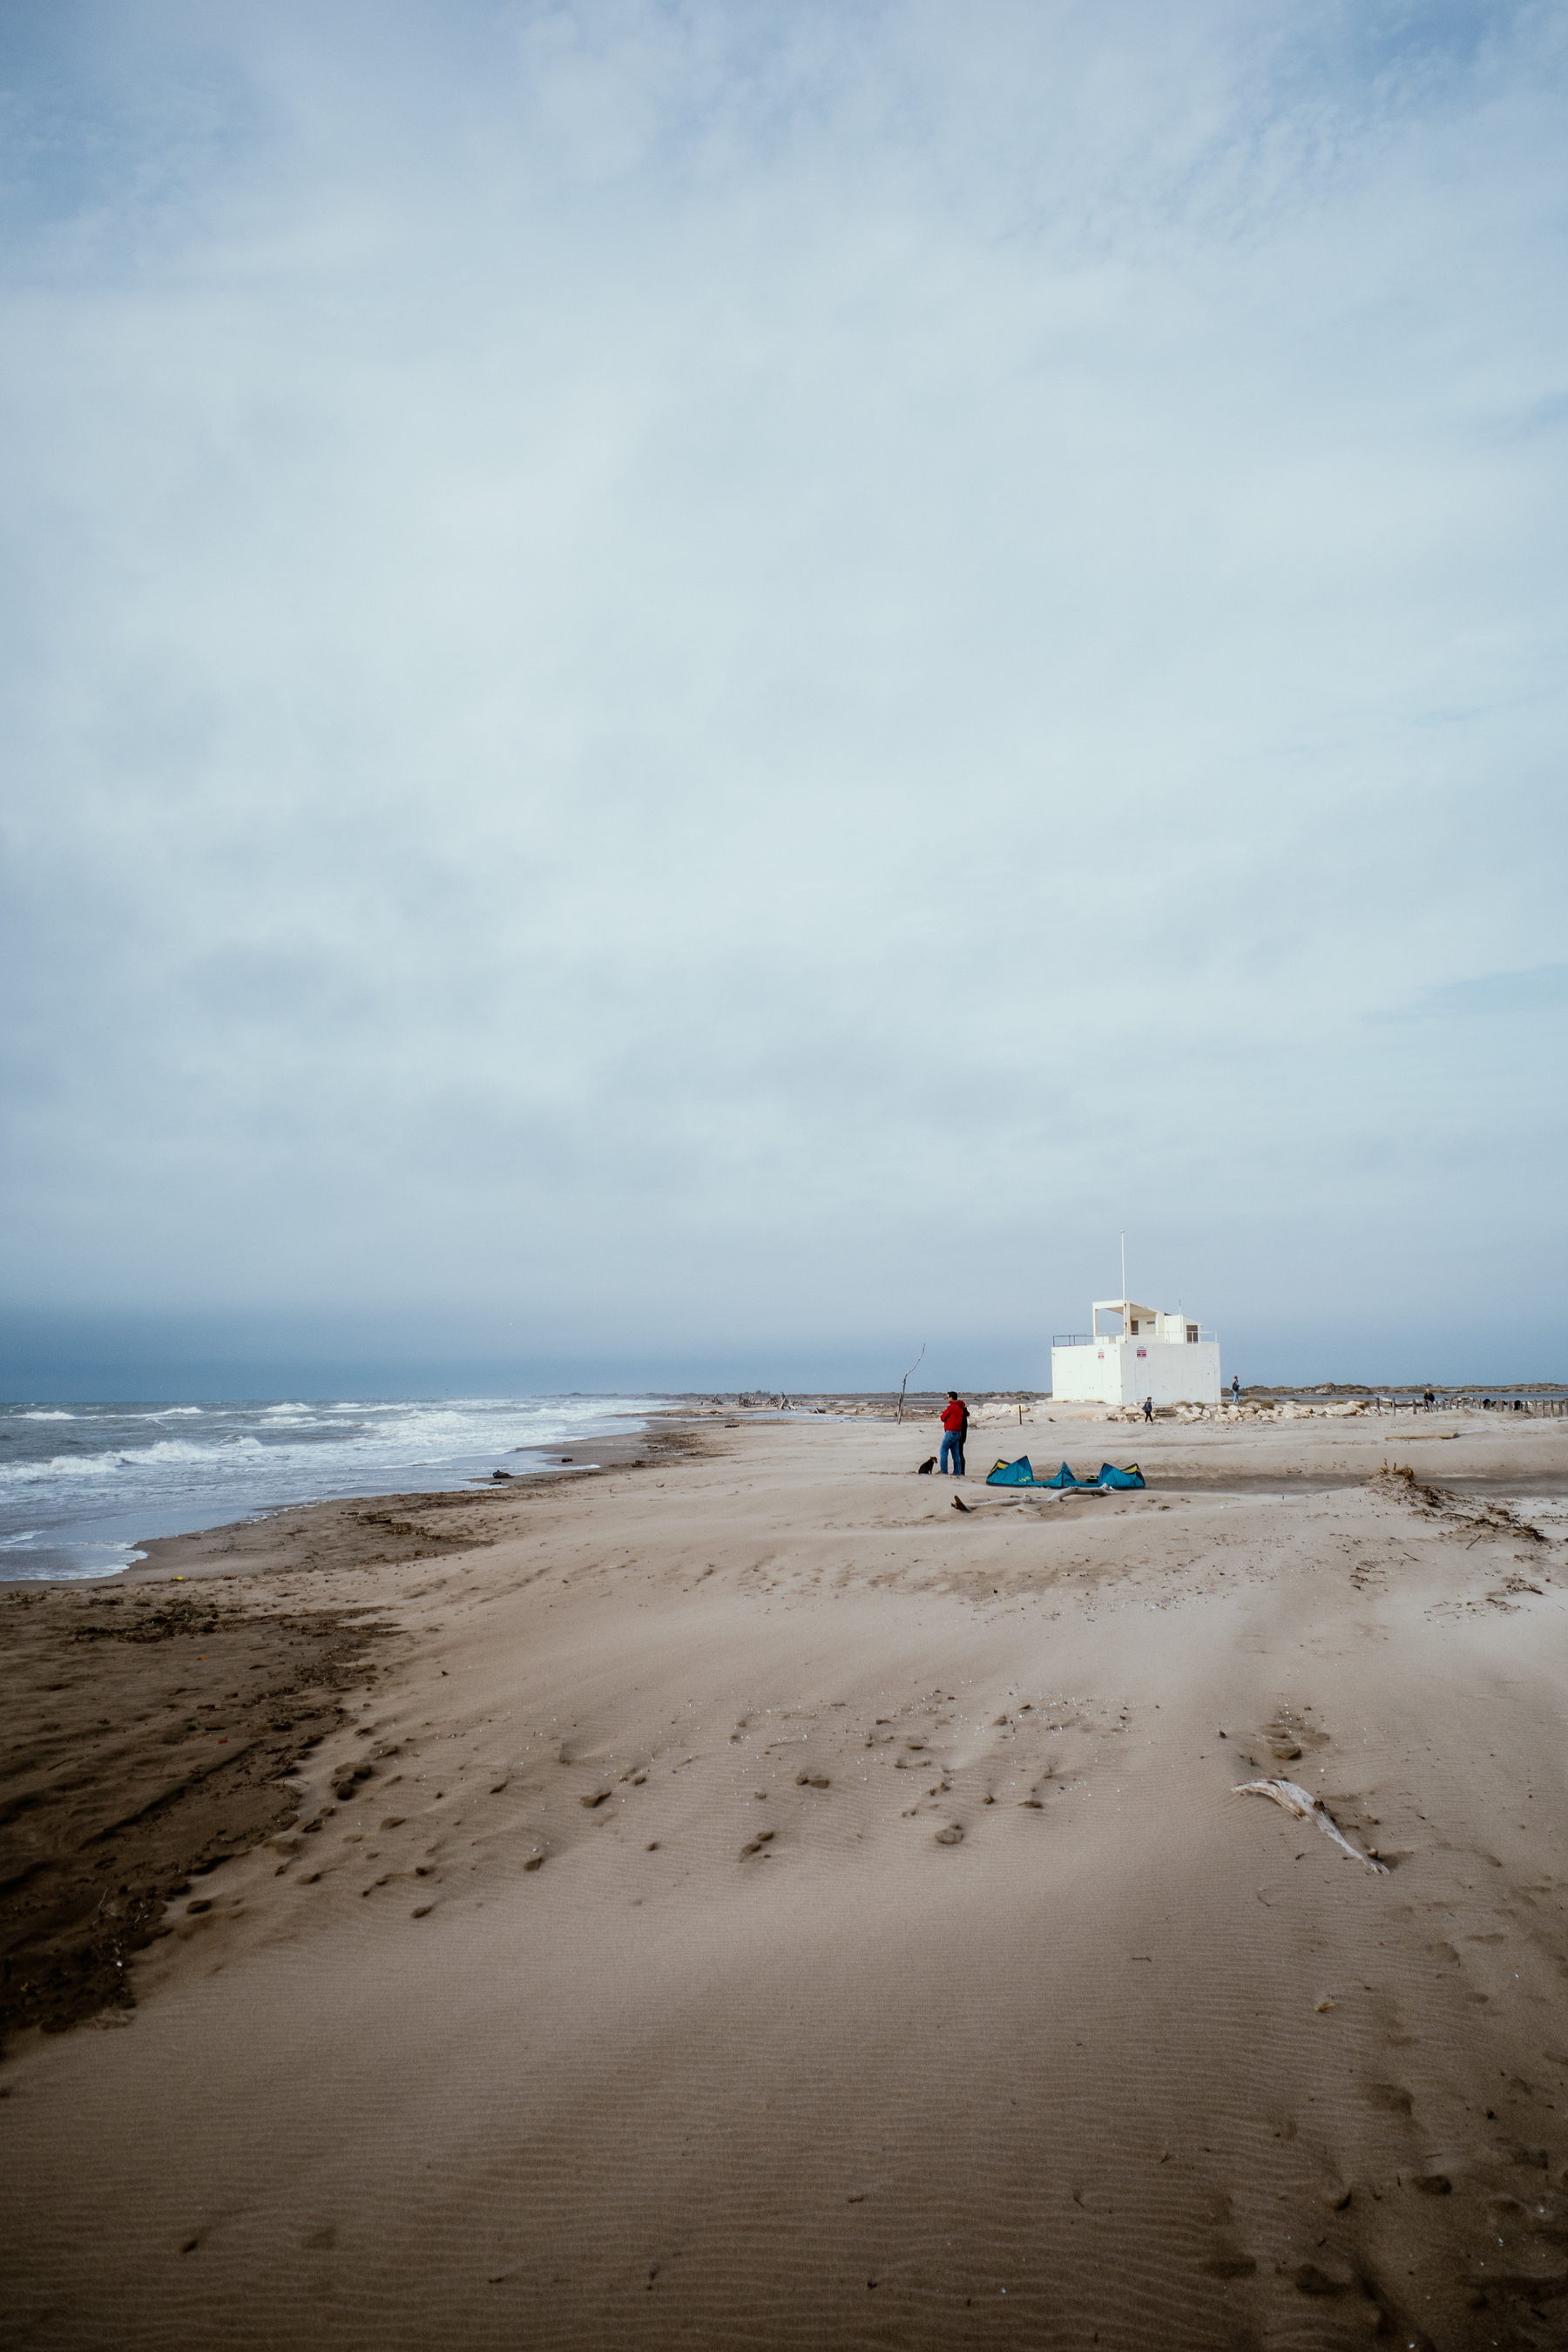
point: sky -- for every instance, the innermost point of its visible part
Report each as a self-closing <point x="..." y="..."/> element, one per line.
<point x="691" y="694"/>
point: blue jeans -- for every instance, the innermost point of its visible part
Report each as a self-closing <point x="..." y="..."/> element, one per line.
<point x="952" y="1444"/>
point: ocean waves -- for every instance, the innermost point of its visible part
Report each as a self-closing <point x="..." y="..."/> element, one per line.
<point x="74" y="1502"/>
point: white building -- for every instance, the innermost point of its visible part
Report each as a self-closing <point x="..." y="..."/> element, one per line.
<point x="1150" y="1353"/>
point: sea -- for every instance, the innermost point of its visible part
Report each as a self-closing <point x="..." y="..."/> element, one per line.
<point x="81" y="1486"/>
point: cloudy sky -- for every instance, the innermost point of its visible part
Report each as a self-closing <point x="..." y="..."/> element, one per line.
<point x="691" y="692"/>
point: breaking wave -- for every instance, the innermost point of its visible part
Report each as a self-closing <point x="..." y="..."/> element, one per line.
<point x="75" y="1504"/>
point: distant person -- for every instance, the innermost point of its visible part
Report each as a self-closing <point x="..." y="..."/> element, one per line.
<point x="1148" y="1408"/>
<point x="954" y="1430"/>
<point x="1234" y="1389"/>
<point x="1431" y="1398"/>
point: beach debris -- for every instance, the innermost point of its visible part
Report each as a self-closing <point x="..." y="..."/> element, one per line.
<point x="1308" y="1808"/>
<point x="755" y="1845"/>
<point x="812" y="1780"/>
<point x="594" y="1797"/>
<point x="959" y="1504"/>
<point x="1485" y="1517"/>
<point x="950" y="1835"/>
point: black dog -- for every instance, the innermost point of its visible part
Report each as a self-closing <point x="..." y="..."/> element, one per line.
<point x="927" y="1466"/>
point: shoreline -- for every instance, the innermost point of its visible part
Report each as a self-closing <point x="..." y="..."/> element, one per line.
<point x="282" y="1538"/>
<point x="549" y="1464"/>
<point x="993" y="1418"/>
<point x="108" y="1817"/>
<point x="741" y="1897"/>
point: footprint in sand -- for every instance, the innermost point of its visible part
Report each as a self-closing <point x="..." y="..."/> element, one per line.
<point x="950" y="1835"/>
<point x="1226" y="2263"/>
<point x="1308" y="2279"/>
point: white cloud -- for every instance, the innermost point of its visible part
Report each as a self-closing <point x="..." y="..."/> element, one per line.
<point x="687" y="678"/>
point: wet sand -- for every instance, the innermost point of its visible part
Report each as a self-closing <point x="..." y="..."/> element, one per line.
<point x="750" y="1902"/>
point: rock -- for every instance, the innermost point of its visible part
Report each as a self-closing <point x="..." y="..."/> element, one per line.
<point x="812" y="1780"/>
<point x="950" y="1835"/>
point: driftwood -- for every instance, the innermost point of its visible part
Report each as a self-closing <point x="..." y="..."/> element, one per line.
<point x="1308" y="1808"/>
<point x="905" y="1381"/>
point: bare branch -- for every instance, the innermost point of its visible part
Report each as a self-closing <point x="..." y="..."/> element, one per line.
<point x="904" y="1383"/>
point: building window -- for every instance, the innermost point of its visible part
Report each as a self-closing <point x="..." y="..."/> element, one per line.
<point x="1192" y="1335"/>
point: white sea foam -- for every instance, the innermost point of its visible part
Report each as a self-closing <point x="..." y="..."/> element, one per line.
<point x="63" y="1465"/>
<point x="185" y="1449"/>
<point x="118" y="1473"/>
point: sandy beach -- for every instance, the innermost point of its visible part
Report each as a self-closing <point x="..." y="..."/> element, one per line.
<point x="810" y="1913"/>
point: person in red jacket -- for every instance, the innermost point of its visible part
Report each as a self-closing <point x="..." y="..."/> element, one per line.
<point x="954" y="1430"/>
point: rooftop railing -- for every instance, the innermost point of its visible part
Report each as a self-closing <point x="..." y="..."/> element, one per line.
<point x="1114" y="1339"/>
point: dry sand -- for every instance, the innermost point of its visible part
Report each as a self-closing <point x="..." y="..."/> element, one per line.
<point x="813" y="1915"/>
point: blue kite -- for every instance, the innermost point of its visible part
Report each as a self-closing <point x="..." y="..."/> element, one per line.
<point x="1021" y="1474"/>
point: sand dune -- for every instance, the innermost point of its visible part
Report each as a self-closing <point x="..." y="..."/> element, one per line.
<point x="781" y="1910"/>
